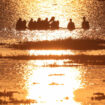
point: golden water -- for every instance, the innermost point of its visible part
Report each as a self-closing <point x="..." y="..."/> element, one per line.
<point x="51" y="82"/>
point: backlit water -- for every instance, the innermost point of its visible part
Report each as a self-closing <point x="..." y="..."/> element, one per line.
<point x="52" y="81"/>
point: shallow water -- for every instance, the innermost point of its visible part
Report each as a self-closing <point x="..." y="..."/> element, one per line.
<point x="47" y="84"/>
<point x="52" y="76"/>
<point x="44" y="80"/>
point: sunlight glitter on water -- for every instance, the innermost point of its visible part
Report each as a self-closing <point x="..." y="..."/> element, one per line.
<point x="51" y="52"/>
<point x="55" y="89"/>
<point x="41" y="35"/>
<point x="40" y="63"/>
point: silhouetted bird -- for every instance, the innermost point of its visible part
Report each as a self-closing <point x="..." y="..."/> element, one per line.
<point x="46" y="24"/>
<point x="54" y="24"/>
<point x="18" y="24"/>
<point x="85" y="24"/>
<point x="57" y="24"/>
<point x="39" y="23"/>
<point x="52" y="19"/>
<point x="31" y="24"/>
<point x="71" y="25"/>
<point x="34" y="25"/>
<point x="21" y="25"/>
<point x="24" y="25"/>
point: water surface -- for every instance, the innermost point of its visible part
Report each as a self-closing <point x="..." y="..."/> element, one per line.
<point x="52" y="76"/>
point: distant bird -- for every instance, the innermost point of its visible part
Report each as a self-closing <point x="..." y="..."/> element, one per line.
<point x="85" y="24"/>
<point x="71" y="25"/>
